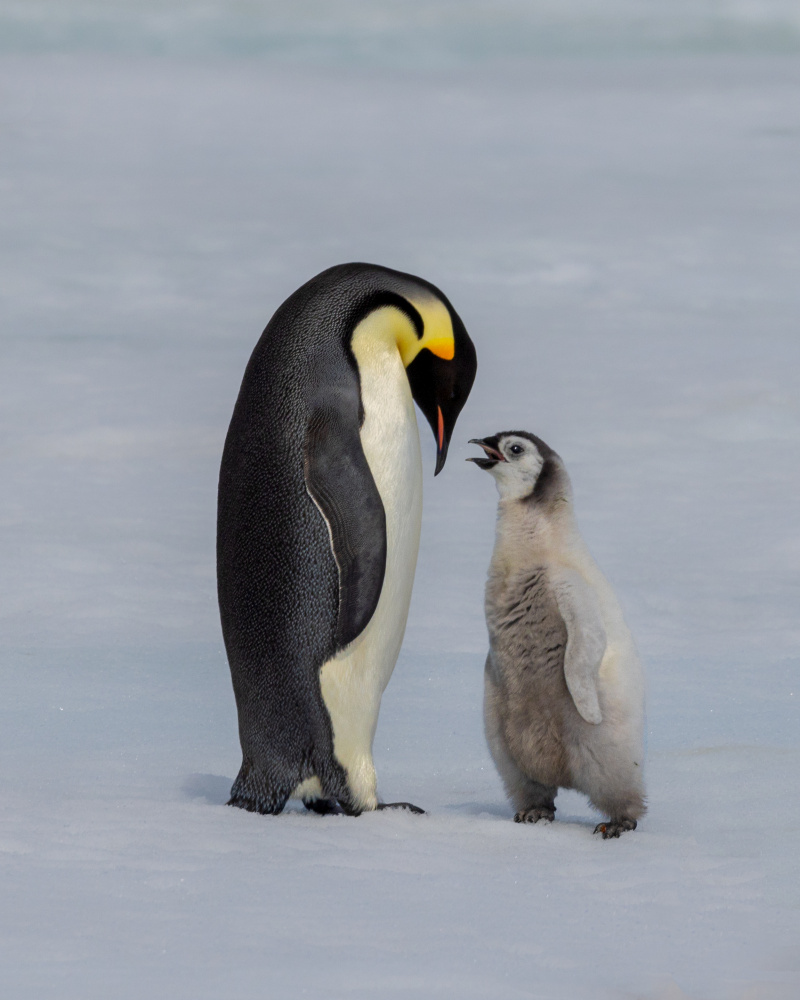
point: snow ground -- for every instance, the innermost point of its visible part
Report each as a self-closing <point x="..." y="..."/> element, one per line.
<point x="622" y="238"/>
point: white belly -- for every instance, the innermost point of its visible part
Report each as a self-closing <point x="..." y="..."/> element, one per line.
<point x="353" y="682"/>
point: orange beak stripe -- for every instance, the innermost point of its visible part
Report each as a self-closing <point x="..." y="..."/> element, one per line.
<point x="441" y="428"/>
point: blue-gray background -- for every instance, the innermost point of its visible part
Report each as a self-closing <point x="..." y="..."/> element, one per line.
<point x="609" y="193"/>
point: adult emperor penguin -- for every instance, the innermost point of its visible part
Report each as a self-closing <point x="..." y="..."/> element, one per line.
<point x="320" y="501"/>
<point x="563" y="685"/>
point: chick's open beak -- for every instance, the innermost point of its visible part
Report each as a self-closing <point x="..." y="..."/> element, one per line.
<point x="493" y="454"/>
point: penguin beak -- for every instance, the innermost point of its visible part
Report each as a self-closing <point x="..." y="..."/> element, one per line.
<point x="493" y="453"/>
<point x="442" y="442"/>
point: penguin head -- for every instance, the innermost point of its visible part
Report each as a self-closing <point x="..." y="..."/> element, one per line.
<point x="524" y="468"/>
<point x="434" y="346"/>
<point x="441" y="373"/>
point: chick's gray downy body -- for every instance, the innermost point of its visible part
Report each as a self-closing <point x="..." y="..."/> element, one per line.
<point x="564" y="689"/>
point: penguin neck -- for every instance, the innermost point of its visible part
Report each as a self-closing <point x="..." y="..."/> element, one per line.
<point x="389" y="434"/>
<point x="527" y="534"/>
<point x="385" y="331"/>
<point x="375" y="344"/>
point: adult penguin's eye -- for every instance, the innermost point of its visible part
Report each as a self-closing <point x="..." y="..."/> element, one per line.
<point x="516" y="449"/>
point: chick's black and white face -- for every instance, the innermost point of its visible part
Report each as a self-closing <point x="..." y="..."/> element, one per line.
<point x="515" y="462"/>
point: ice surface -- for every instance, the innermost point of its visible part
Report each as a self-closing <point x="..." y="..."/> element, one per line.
<point x="621" y="236"/>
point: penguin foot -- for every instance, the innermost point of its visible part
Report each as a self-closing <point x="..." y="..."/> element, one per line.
<point x="330" y="807"/>
<point x="535" y="813"/>
<point x="401" y="805"/>
<point x="614" y="828"/>
<point x="324" y="807"/>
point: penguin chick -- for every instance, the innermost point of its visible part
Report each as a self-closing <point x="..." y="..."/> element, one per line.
<point x="563" y="685"/>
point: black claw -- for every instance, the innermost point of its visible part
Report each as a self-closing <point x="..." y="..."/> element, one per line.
<point x="324" y="807"/>
<point x="401" y="805"/>
<point x="616" y="828"/>
<point x="534" y="815"/>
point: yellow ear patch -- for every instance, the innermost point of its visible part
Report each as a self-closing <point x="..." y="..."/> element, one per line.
<point x="437" y="331"/>
<point x="388" y="324"/>
<point x="443" y="347"/>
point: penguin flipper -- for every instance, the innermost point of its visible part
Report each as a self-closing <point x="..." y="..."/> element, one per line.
<point x="586" y="642"/>
<point x="340" y="483"/>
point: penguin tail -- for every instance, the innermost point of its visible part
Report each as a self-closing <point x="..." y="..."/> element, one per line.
<point x="255" y="792"/>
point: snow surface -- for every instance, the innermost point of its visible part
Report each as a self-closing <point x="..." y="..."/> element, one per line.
<point x="621" y="235"/>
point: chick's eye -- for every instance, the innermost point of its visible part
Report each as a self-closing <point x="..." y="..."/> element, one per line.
<point x="516" y="449"/>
